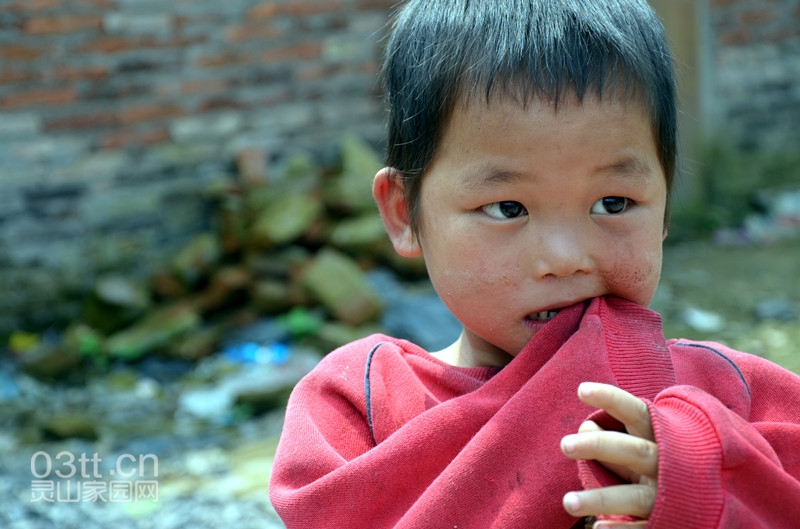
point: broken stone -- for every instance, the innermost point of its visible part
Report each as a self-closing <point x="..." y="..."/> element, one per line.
<point x="251" y="164"/>
<point x="48" y="362"/>
<point x="122" y="292"/>
<point x="166" y="285"/>
<point x="282" y="263"/>
<point x="223" y="287"/>
<point x="337" y="282"/>
<point x="259" y="386"/>
<point x="333" y="334"/>
<point x="365" y="233"/>
<point x="285" y="220"/>
<point x="271" y="296"/>
<point x="153" y="332"/>
<point x="197" y="258"/>
<point x="298" y="167"/>
<point x="69" y="426"/>
<point x="196" y="345"/>
<point x="232" y="224"/>
<point x="81" y="340"/>
<point x="351" y="190"/>
<point x="115" y="303"/>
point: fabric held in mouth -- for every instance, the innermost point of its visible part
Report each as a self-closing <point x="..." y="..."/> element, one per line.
<point x="381" y="434"/>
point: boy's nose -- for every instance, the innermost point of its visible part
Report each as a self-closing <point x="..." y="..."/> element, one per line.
<point x="562" y="253"/>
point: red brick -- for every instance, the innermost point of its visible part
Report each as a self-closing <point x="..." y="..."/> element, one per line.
<point x="251" y="32"/>
<point x="9" y="76"/>
<point x="203" y="86"/>
<point x="62" y="24"/>
<point x="314" y="72"/>
<point x="81" y="122"/>
<point x="21" y="52"/>
<point x="128" y="138"/>
<point x="755" y="17"/>
<point x="791" y="31"/>
<point x="109" y="44"/>
<point x="370" y="67"/>
<point x="220" y="103"/>
<point x="376" y="4"/>
<point x="299" y="51"/>
<point x="252" y="165"/>
<point x="98" y="3"/>
<point x="35" y="5"/>
<point x="149" y="111"/>
<point x="114" y="44"/>
<point x="184" y="21"/>
<point x="263" y="10"/>
<point x="69" y="73"/>
<point x="224" y="59"/>
<point x="736" y="38"/>
<point x="304" y="8"/>
<point x="39" y="97"/>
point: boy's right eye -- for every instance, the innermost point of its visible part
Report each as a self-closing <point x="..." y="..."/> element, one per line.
<point x="508" y="209"/>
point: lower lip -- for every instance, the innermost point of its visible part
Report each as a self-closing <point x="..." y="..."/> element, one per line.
<point x="535" y="325"/>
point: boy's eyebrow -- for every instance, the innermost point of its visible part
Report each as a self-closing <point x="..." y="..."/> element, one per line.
<point x="490" y="177"/>
<point x="628" y="167"/>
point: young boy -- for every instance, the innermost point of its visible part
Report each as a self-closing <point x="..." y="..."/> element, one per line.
<point x="531" y="152"/>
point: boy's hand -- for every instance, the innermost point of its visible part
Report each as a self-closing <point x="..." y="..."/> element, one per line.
<point x="633" y="456"/>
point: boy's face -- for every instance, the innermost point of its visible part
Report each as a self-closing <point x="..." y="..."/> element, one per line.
<point x="528" y="210"/>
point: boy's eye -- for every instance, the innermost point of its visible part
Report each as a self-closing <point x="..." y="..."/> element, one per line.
<point x="508" y="209"/>
<point x="611" y="205"/>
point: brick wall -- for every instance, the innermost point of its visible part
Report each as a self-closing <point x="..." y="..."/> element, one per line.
<point x="756" y="54"/>
<point x="115" y="115"/>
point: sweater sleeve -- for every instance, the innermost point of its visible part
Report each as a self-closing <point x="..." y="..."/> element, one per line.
<point x="321" y="465"/>
<point x="330" y="473"/>
<point x="718" y="469"/>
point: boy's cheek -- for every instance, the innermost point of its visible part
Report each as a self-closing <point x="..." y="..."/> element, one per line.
<point x="636" y="280"/>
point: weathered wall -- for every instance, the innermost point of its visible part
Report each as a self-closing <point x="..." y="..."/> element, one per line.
<point x="115" y="115"/>
<point x="756" y="75"/>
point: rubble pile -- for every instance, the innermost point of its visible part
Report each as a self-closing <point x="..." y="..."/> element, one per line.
<point x="294" y="245"/>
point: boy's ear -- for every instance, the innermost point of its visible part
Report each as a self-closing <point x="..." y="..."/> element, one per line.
<point x="388" y="191"/>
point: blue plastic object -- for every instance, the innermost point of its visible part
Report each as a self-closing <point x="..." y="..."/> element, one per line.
<point x="251" y="352"/>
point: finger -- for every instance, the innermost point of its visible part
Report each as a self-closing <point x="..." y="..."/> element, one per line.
<point x="624" y="454"/>
<point x="632" y="500"/>
<point x="622" y="471"/>
<point x="612" y="524"/>
<point x="626" y="408"/>
<point x="589" y="426"/>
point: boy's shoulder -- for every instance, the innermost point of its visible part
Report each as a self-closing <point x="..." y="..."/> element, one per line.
<point x="734" y="377"/>
<point x="719" y="359"/>
<point x="356" y="355"/>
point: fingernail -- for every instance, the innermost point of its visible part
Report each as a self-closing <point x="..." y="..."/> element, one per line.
<point x="568" y="444"/>
<point x="585" y="389"/>
<point x="572" y="502"/>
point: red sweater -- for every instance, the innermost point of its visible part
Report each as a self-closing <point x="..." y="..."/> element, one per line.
<point x="383" y="435"/>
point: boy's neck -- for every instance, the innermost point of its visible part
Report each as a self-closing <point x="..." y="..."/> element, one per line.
<point x="451" y="353"/>
<point x="461" y="354"/>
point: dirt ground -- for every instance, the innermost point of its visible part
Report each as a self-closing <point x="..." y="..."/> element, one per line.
<point x="731" y="282"/>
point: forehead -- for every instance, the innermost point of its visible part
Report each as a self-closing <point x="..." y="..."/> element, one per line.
<point x="506" y="121"/>
<point x="486" y="144"/>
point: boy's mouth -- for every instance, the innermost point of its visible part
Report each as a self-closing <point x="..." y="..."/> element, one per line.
<point x="545" y="315"/>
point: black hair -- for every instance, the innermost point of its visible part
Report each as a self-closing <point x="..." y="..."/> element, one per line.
<point x="444" y="51"/>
